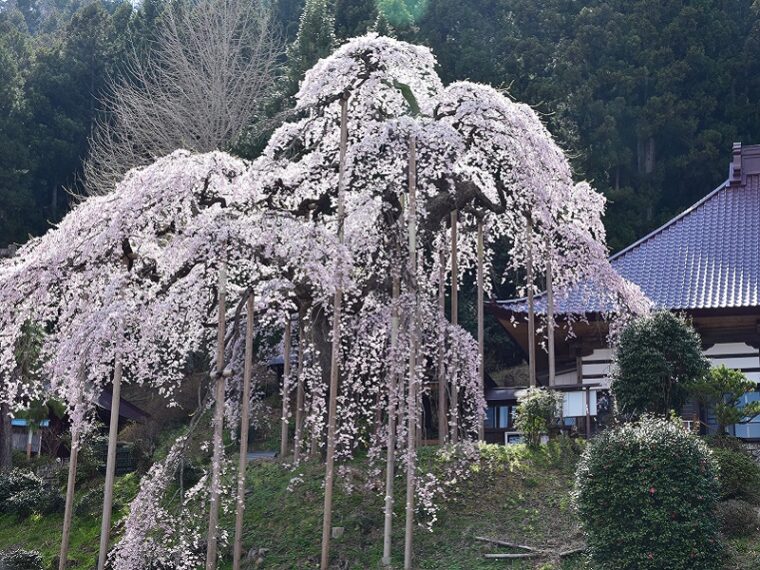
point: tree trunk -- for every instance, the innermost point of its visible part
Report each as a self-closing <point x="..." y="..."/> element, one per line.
<point x="113" y="432"/>
<point x="531" y="308"/>
<point x="299" y="392"/>
<point x="335" y="359"/>
<point x="481" y="337"/>
<point x="390" y="459"/>
<point x="6" y="438"/>
<point x="413" y="383"/>
<point x="285" y="393"/>
<point x="454" y="407"/>
<point x="245" y="413"/>
<point x="216" y="462"/>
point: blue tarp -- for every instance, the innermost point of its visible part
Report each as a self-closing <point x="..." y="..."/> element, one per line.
<point x="21" y="422"/>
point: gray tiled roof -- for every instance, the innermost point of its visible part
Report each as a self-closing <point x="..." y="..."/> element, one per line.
<point x="707" y="257"/>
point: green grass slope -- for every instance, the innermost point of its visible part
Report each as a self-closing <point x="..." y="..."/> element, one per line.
<point x="513" y="494"/>
<point x="516" y="495"/>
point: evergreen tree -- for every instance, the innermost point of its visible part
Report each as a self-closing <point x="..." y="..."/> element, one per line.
<point x="383" y="27"/>
<point x="287" y="13"/>
<point x="63" y="89"/>
<point x="653" y="86"/>
<point x="354" y="18"/>
<point x="16" y="203"/>
<point x="315" y="40"/>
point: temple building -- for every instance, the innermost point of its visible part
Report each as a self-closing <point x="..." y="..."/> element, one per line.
<point x="704" y="263"/>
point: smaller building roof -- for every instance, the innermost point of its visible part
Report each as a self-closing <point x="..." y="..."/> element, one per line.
<point x="707" y="257"/>
<point x="127" y="410"/>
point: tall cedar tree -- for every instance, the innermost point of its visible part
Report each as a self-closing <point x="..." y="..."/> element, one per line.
<point x="315" y="40"/>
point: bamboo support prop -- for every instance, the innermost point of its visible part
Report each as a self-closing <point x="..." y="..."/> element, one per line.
<point x="315" y="435"/>
<point x="443" y="424"/>
<point x="29" y="440"/>
<point x="70" y="484"/>
<point x="245" y="414"/>
<point x="216" y="462"/>
<point x="69" y="509"/>
<point x="113" y="431"/>
<point x="531" y="307"/>
<point x="532" y="552"/>
<point x="413" y="383"/>
<point x="390" y="460"/>
<point x="285" y="392"/>
<point x="299" y="393"/>
<point x="481" y="337"/>
<point x="550" y="317"/>
<point x="454" y="406"/>
<point x="335" y="357"/>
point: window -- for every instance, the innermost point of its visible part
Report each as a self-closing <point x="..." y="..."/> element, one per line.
<point x="751" y="428"/>
<point x="503" y="417"/>
<point x="490" y="415"/>
<point x="574" y="405"/>
<point x="498" y="417"/>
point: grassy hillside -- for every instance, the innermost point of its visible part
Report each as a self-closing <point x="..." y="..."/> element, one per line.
<point x="514" y="494"/>
<point x="518" y="495"/>
<point x="43" y="533"/>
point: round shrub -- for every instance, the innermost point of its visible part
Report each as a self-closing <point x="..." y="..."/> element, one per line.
<point x="537" y="410"/>
<point x="737" y="518"/>
<point x="646" y="495"/>
<point x="658" y="358"/>
<point x="42" y="500"/>
<point x="19" y="559"/>
<point x="23" y="493"/>
<point x="738" y="474"/>
<point x="15" y="481"/>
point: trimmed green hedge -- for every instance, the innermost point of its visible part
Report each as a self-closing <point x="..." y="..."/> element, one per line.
<point x="646" y="495"/>
<point x="738" y="474"/>
<point x="659" y="357"/>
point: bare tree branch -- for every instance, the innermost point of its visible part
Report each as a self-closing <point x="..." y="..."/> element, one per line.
<point x="211" y="68"/>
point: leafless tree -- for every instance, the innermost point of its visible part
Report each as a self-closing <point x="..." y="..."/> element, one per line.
<point x="206" y="77"/>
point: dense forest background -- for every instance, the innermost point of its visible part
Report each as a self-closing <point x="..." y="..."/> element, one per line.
<point x="646" y="95"/>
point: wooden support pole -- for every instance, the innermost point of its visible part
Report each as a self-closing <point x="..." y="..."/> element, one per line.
<point x="443" y="424"/>
<point x="29" y="440"/>
<point x="531" y="305"/>
<point x="245" y="420"/>
<point x="113" y="432"/>
<point x="454" y="406"/>
<point x="390" y="457"/>
<point x="481" y="335"/>
<point x="315" y="435"/>
<point x="285" y="392"/>
<point x="69" y="509"/>
<point x="550" y="318"/>
<point x="454" y="269"/>
<point x="411" y="475"/>
<point x="216" y="461"/>
<point x="412" y="412"/>
<point x="335" y="357"/>
<point x="299" y="392"/>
